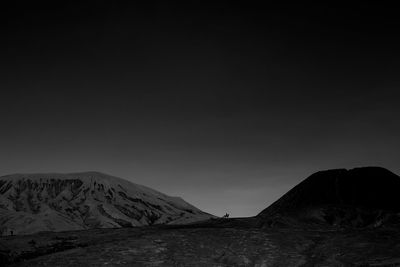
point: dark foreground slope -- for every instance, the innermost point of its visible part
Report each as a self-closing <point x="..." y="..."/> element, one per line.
<point x="361" y="197"/>
<point x="227" y="246"/>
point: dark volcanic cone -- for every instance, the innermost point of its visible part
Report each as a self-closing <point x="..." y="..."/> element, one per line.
<point x="359" y="197"/>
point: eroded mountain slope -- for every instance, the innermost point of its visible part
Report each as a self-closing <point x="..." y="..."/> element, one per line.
<point x="59" y="202"/>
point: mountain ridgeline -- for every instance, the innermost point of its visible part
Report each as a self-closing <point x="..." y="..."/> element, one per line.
<point x="360" y="197"/>
<point x="58" y="202"/>
<point x="365" y="197"/>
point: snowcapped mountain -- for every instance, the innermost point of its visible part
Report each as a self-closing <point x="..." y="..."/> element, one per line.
<point x="58" y="202"/>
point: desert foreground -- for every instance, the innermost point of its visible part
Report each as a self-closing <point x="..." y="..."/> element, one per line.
<point x="204" y="246"/>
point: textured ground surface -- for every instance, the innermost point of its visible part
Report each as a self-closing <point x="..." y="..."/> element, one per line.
<point x="203" y="246"/>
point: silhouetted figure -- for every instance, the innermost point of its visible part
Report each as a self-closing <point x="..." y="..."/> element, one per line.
<point x="12" y="232"/>
<point x="226" y="215"/>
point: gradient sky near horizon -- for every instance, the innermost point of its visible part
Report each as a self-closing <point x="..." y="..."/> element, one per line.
<point x="226" y="105"/>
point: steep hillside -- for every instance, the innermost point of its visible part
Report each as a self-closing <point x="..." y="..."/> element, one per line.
<point x="57" y="202"/>
<point x="359" y="197"/>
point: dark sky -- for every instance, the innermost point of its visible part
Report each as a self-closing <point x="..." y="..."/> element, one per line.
<point x="226" y="105"/>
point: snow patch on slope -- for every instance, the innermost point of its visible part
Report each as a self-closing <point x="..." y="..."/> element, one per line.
<point x="58" y="202"/>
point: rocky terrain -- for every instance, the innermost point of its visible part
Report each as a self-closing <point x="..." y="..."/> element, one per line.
<point x="204" y="246"/>
<point x="58" y="202"/>
<point x="332" y="218"/>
